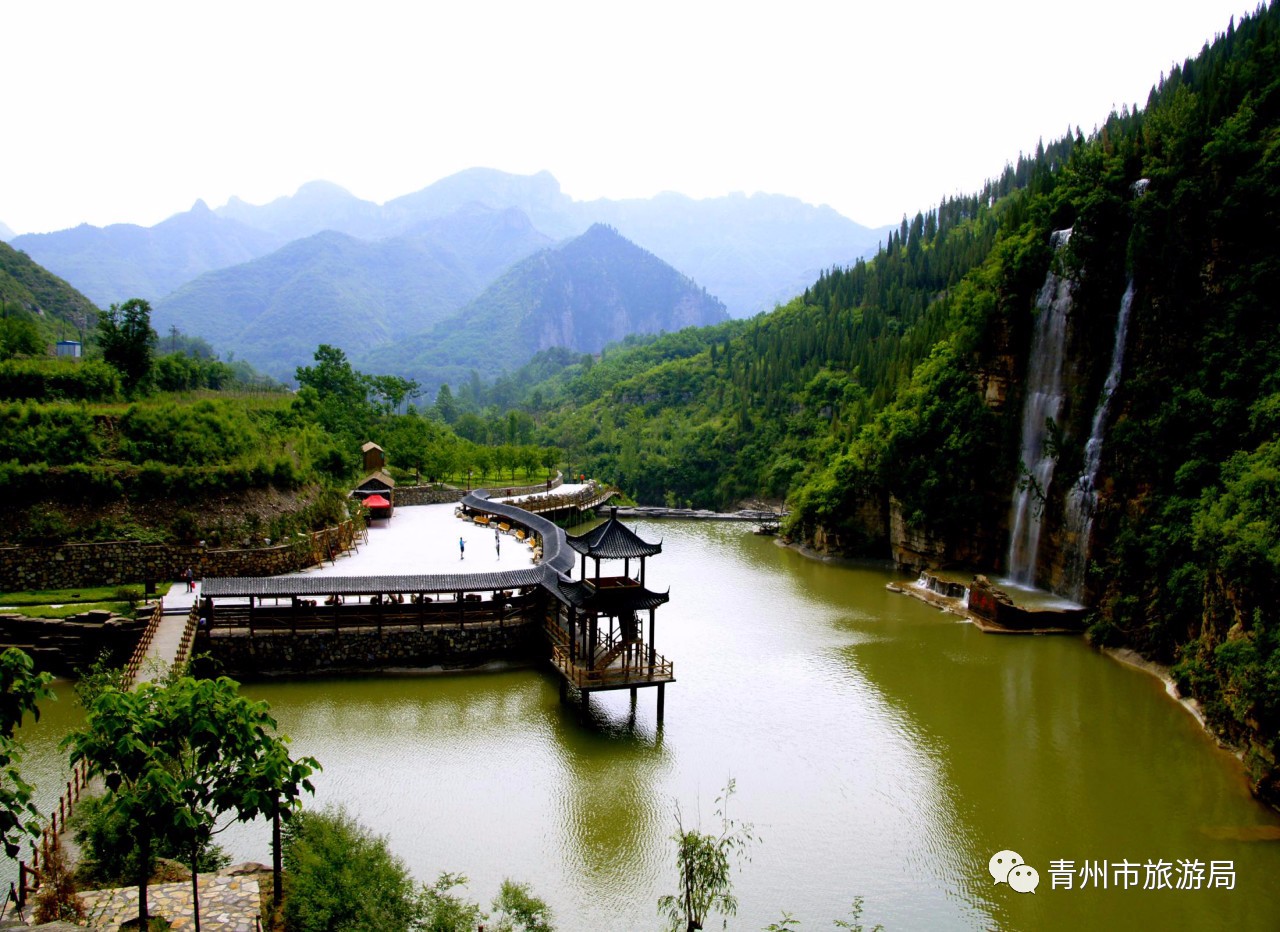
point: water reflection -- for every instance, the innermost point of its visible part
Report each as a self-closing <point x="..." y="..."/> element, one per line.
<point x="880" y="748"/>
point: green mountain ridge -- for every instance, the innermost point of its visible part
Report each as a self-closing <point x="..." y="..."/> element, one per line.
<point x="885" y="403"/>
<point x="581" y="295"/>
<point x="350" y="293"/>
<point x="32" y="291"/>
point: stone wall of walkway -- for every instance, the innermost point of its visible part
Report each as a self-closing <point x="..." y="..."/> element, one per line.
<point x="436" y="646"/>
<point x="434" y="495"/>
<point x="116" y="563"/>
<point x="426" y="495"/>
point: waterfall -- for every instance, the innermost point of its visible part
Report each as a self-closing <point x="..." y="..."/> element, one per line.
<point x="1042" y="404"/>
<point x="1083" y="496"/>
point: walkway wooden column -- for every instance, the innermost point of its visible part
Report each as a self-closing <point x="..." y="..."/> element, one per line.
<point x="662" y="700"/>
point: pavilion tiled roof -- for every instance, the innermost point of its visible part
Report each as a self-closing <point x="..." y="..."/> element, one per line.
<point x="612" y="540"/>
<point x="610" y="600"/>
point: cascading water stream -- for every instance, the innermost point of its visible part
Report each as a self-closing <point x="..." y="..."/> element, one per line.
<point x="1083" y="496"/>
<point x="1042" y="404"/>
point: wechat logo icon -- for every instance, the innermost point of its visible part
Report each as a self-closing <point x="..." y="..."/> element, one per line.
<point x="1011" y="868"/>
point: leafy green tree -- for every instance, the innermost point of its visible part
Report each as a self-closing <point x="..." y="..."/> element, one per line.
<point x="705" y="869"/>
<point x="21" y="689"/>
<point x="127" y="341"/>
<point x="504" y="458"/>
<point x="550" y="456"/>
<point x="516" y="909"/>
<point x="447" y="911"/>
<point x="20" y="337"/>
<point x="339" y="394"/>
<point x="176" y="756"/>
<point x="445" y="406"/>
<point x="394" y="391"/>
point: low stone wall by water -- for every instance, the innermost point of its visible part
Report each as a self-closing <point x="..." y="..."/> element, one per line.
<point x="64" y="645"/>
<point x="353" y="651"/>
<point x="115" y="563"/>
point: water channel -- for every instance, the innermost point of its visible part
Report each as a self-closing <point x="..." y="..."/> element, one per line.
<point x="881" y="749"/>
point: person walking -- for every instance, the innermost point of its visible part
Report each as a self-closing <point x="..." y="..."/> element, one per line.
<point x="497" y="542"/>
<point x="462" y="549"/>
<point x="190" y="577"/>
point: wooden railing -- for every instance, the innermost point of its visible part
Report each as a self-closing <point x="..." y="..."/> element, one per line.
<point x="183" y="654"/>
<point x="29" y="874"/>
<point x="134" y="666"/>
<point x="661" y="670"/>
<point x="583" y="500"/>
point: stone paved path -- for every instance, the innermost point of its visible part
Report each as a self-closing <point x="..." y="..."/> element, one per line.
<point x="227" y="904"/>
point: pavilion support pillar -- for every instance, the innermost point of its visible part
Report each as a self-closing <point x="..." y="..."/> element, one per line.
<point x="250" y="617"/>
<point x="662" y="700"/>
<point x="652" y="649"/>
<point x="633" y="697"/>
<point x="573" y="634"/>
<point x="582" y="700"/>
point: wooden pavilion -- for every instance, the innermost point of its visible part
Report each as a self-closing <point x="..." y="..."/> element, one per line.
<point x="598" y="638"/>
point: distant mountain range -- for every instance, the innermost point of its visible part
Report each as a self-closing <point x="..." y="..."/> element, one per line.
<point x="588" y="292"/>
<point x="750" y="251"/>
<point x="122" y="261"/>
<point x="271" y="282"/>
<point x="6" y="234"/>
<point x="333" y="288"/>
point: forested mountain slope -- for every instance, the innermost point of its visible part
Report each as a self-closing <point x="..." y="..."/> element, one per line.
<point x="581" y="295"/>
<point x="335" y="289"/>
<point x="887" y="401"/>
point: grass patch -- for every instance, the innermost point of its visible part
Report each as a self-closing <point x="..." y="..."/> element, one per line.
<point x="66" y="611"/>
<point x="67" y="596"/>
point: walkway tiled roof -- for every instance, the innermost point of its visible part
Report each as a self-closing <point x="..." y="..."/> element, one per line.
<point x="306" y="585"/>
<point x="612" y="540"/>
<point x="554" y="553"/>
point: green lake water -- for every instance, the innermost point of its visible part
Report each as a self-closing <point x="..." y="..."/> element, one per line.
<point x="881" y="749"/>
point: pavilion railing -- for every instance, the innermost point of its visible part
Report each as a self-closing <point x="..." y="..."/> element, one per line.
<point x="660" y="671"/>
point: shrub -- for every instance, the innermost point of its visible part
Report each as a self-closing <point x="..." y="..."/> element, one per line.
<point x="56" y="899"/>
<point x="109" y="846"/>
<point x="340" y="876"/>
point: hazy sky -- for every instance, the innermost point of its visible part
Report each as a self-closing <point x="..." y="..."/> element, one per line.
<point x="129" y="112"/>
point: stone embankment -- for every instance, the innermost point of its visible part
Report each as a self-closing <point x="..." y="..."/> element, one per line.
<point x="64" y="645"/>
<point x="659" y="511"/>
<point x="435" y="646"/>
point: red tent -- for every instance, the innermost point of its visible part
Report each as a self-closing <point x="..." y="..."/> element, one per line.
<point x="376" y="501"/>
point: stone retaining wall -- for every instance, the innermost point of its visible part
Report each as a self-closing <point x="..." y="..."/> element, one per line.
<point x="115" y="563"/>
<point x="63" y="646"/>
<point x="358" y="651"/>
<point x="426" y="495"/>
